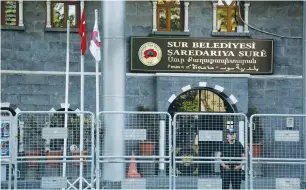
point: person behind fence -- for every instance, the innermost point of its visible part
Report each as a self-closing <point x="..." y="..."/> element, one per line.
<point x="231" y="172"/>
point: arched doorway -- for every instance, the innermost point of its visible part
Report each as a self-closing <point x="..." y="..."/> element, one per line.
<point x="200" y="100"/>
<point x="187" y="129"/>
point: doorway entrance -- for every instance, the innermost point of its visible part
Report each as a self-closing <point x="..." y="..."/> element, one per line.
<point x="188" y="142"/>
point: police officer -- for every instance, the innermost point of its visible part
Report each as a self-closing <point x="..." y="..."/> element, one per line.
<point x="231" y="172"/>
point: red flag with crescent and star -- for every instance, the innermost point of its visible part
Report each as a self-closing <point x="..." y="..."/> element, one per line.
<point x="82" y="33"/>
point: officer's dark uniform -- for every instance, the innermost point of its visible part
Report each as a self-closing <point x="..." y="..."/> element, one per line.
<point x="234" y="176"/>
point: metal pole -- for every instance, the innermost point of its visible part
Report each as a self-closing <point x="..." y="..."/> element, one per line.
<point x="66" y="96"/>
<point x="82" y="83"/>
<point x="114" y="70"/>
<point x="251" y="153"/>
<point x="304" y="81"/>
<point x="82" y="121"/>
<point x="162" y="128"/>
<point x="97" y="75"/>
<point x="97" y="89"/>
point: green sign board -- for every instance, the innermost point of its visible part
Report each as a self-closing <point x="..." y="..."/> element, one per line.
<point x="198" y="55"/>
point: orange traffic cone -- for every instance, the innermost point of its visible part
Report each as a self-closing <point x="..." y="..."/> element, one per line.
<point x="133" y="173"/>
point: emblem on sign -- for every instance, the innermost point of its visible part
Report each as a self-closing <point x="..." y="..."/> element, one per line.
<point x="150" y="54"/>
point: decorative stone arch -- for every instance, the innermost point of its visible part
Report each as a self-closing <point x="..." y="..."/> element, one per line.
<point x="220" y="90"/>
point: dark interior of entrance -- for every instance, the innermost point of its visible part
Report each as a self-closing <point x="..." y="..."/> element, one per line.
<point x="188" y="127"/>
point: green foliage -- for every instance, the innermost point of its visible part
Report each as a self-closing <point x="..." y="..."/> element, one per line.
<point x="142" y="108"/>
<point x="175" y="25"/>
<point x="189" y="101"/>
<point x="72" y="20"/>
<point x="222" y="17"/>
<point x="58" y="18"/>
<point x="10" y="13"/>
<point x="192" y="105"/>
<point x="162" y="22"/>
<point x="73" y="125"/>
<point x="34" y="124"/>
<point x="175" y="19"/>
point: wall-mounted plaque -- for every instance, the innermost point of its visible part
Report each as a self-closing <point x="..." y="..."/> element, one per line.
<point x="199" y="55"/>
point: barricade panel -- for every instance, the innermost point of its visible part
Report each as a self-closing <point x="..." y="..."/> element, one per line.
<point x="7" y="146"/>
<point x="146" y="150"/>
<point x="134" y="150"/>
<point x="50" y="147"/>
<point x="278" y="151"/>
<point x="199" y="138"/>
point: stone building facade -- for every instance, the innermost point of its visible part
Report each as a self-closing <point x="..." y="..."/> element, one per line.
<point x="33" y="61"/>
<point x="34" y="48"/>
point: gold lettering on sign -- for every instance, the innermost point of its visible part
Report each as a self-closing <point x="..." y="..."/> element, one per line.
<point x="213" y="55"/>
<point x="207" y="53"/>
<point x="229" y="45"/>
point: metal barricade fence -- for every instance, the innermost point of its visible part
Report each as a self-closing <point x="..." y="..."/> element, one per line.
<point x="278" y="145"/>
<point x="198" y="137"/>
<point x="56" y="150"/>
<point x="146" y="150"/>
<point x="7" y="141"/>
<point x="133" y="150"/>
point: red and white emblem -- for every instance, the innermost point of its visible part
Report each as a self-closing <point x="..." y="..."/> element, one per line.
<point x="95" y="38"/>
<point x="150" y="54"/>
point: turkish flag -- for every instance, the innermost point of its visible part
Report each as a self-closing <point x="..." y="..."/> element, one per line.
<point x="82" y="33"/>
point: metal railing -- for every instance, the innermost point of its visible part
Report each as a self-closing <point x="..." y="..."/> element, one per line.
<point x="278" y="151"/>
<point x="55" y="150"/>
<point x="198" y="138"/>
<point x="149" y="150"/>
<point x="135" y="148"/>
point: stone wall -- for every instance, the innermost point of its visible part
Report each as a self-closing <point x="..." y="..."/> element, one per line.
<point x="37" y="92"/>
<point x="38" y="50"/>
<point x="285" y="19"/>
<point x="279" y="95"/>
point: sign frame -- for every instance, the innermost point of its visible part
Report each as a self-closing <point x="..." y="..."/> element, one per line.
<point x="135" y="60"/>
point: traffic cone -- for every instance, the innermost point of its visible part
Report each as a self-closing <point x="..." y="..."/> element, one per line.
<point x="133" y="173"/>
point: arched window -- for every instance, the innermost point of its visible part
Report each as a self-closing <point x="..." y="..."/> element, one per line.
<point x="200" y="100"/>
<point x="169" y="15"/>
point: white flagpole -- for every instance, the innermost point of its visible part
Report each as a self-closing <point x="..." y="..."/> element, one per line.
<point x="94" y="53"/>
<point x="97" y="91"/>
<point x="97" y="88"/>
<point x="82" y="119"/>
<point x="97" y="75"/>
<point x="66" y="96"/>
